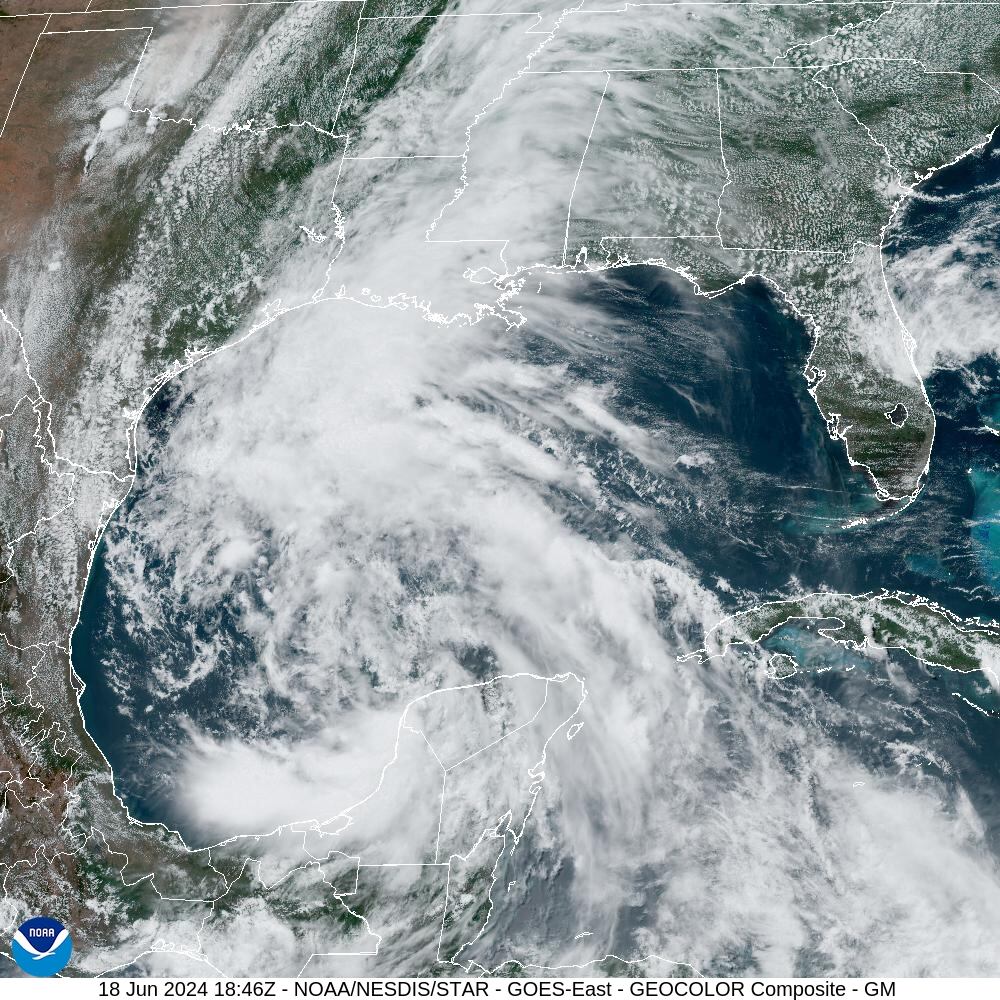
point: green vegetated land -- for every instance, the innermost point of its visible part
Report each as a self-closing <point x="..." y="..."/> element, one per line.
<point x="211" y="214"/>
<point x="883" y="620"/>
<point x="202" y="219"/>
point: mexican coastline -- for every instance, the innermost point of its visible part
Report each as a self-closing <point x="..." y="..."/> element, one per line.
<point x="728" y="369"/>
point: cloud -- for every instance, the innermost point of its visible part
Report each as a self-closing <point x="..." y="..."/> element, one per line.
<point x="392" y="490"/>
<point x="423" y="511"/>
<point x="943" y="280"/>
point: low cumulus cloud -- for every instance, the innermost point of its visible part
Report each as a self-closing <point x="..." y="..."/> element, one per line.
<point x="943" y="279"/>
<point x="394" y="507"/>
<point x="374" y="498"/>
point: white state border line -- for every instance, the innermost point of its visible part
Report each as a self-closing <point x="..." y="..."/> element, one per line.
<point x="881" y="492"/>
<point x="761" y="68"/>
<point x="722" y="156"/>
<point x="605" y="238"/>
<point x="211" y="903"/>
<point x="579" y="169"/>
<point x="594" y="10"/>
<point x="816" y="69"/>
<point x="201" y="357"/>
<point x="410" y="156"/>
<point x="24" y="73"/>
<point x="96" y="31"/>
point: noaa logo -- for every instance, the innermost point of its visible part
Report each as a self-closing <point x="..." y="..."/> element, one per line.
<point x="41" y="946"/>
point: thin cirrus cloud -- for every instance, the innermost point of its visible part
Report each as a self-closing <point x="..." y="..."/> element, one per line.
<point x="373" y="498"/>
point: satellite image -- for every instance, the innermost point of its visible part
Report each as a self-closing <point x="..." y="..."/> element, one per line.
<point x="500" y="488"/>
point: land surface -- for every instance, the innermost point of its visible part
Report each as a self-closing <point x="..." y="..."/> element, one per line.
<point x="162" y="171"/>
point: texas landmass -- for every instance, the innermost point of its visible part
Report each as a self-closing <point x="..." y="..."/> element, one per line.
<point x="808" y="128"/>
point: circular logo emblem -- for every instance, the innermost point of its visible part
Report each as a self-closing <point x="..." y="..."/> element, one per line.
<point x="41" y="946"/>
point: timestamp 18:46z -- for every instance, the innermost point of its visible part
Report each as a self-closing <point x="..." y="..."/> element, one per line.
<point x="174" y="989"/>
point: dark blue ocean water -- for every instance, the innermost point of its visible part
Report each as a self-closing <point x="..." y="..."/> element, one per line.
<point x="766" y="515"/>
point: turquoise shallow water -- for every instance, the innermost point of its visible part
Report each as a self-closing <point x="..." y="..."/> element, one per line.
<point x="767" y="520"/>
<point x="989" y="410"/>
<point x="985" y="523"/>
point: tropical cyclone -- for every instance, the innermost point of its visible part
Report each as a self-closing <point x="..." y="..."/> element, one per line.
<point x="151" y="239"/>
